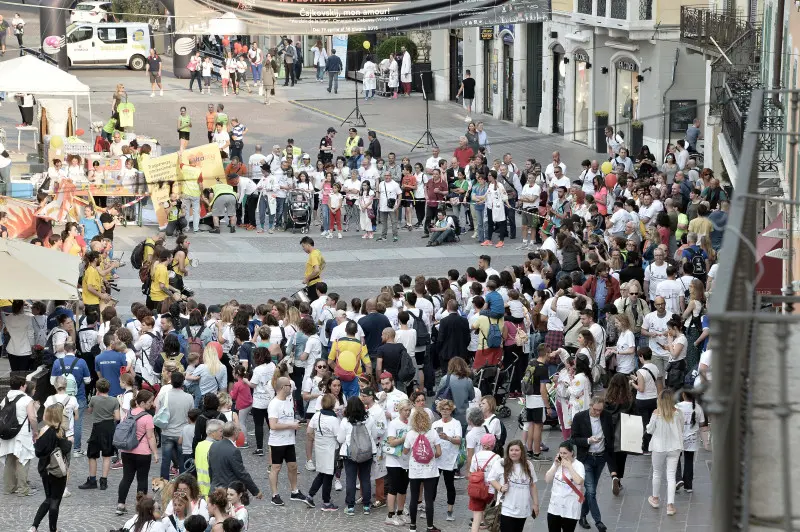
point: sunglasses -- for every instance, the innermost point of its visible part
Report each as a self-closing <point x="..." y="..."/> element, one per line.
<point x="634" y="293"/>
<point x="321" y="367"/>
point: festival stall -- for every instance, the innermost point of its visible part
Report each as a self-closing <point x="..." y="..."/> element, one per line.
<point x="39" y="273"/>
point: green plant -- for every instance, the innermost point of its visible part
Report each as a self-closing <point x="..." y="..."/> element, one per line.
<point x="144" y="10"/>
<point x="637" y="124"/>
<point x="393" y="44"/>
<point x="600" y="113"/>
<point x="355" y="42"/>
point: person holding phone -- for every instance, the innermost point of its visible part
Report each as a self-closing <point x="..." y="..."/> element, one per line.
<point x="566" y="497"/>
<point x="514" y="479"/>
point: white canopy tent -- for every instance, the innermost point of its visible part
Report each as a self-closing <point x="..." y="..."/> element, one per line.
<point x="33" y="272"/>
<point x="27" y="74"/>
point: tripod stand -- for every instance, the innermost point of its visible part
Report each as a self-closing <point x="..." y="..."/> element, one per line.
<point x="427" y="136"/>
<point x="358" y="117"/>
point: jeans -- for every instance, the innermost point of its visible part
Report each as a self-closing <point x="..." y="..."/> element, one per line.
<point x="195" y="76"/>
<point x="279" y="203"/>
<point x="333" y="81"/>
<point x="194" y="203"/>
<point x="369" y="94"/>
<point x="170" y="454"/>
<point x="137" y="465"/>
<point x="480" y="222"/>
<point x="687" y="474"/>
<point x="441" y="237"/>
<point x="79" y="424"/>
<point x="320" y="72"/>
<point x="594" y="468"/>
<point x="670" y="460"/>
<point x="53" y="493"/>
<point x="263" y="211"/>
<point x="362" y="470"/>
<point x="644" y="408"/>
<point x="243" y="414"/>
<point x="256" y="71"/>
<point x="390" y="216"/>
<point x="511" y="217"/>
<point x="325" y="216"/>
<point x="176" y="226"/>
<point x="324" y="481"/>
<point x="236" y="152"/>
<point x="430" y="494"/>
<point x="259" y="417"/>
<point x="430" y="217"/>
<point x="350" y="388"/>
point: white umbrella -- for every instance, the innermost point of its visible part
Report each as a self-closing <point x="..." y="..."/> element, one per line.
<point x="33" y="272"/>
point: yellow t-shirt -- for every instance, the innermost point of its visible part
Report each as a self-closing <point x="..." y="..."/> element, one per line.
<point x="5" y="302"/>
<point x="349" y="351"/>
<point x="91" y="277"/>
<point x="315" y="259"/>
<point x="160" y="276"/>
<point x="150" y="245"/>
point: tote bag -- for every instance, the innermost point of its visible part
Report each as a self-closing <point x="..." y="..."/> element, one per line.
<point x="631" y="432"/>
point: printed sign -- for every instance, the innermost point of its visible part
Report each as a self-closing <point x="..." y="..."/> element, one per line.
<point x="208" y="160"/>
<point x="487" y="33"/>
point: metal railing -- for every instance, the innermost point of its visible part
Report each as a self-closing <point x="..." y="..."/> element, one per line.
<point x="701" y="26"/>
<point x="601" y="8"/>
<point x="733" y="126"/>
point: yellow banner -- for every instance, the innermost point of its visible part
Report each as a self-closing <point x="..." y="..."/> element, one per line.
<point x="161" y="169"/>
<point x="208" y="160"/>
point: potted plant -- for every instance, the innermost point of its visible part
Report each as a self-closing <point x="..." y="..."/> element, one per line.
<point x="600" y="123"/>
<point x="637" y="137"/>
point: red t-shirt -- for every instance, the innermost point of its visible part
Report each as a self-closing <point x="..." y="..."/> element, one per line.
<point x="464" y="155"/>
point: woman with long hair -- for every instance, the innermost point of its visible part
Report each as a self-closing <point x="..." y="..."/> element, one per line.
<point x="186" y="484"/>
<point x="365" y="198"/>
<point x="670" y="167"/>
<point x="213" y="375"/>
<point x="496" y="202"/>
<point x="515" y="480"/>
<point x="217" y="509"/>
<point x="450" y="434"/>
<point x="69" y="240"/>
<point x="238" y="499"/>
<point x="625" y="347"/>
<point x="136" y="462"/>
<point x="601" y="195"/>
<point x="692" y="315"/>
<point x="579" y="388"/>
<point x="619" y="400"/>
<point x="356" y="419"/>
<point x="693" y="419"/>
<point x="566" y="475"/>
<point x="180" y="261"/>
<point x="52" y="436"/>
<point x="145" y="519"/>
<point x="422" y="444"/>
<point x="666" y="428"/>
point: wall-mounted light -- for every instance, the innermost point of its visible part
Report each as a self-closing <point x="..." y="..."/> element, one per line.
<point x="640" y="78"/>
<point x="604" y="70"/>
<point x="589" y="65"/>
<point x="650" y="69"/>
<point x="566" y="60"/>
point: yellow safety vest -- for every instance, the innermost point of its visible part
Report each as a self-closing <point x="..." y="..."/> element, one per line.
<point x="349" y="144"/>
<point x="296" y="152"/>
<point x="220" y="189"/>
<point x="201" y="465"/>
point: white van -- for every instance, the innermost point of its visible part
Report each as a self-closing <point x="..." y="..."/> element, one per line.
<point x="114" y="43"/>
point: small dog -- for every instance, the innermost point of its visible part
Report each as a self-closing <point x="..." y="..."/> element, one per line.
<point x="165" y="488"/>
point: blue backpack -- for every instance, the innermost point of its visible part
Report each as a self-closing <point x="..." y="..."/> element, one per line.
<point x="183" y="341"/>
<point x="495" y="337"/>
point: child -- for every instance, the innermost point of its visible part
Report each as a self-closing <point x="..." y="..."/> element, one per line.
<point x="127" y="176"/>
<point x="196" y="523"/>
<point x="693" y="416"/>
<point x="105" y="414"/>
<point x="515" y="307"/>
<point x="238" y="499"/>
<point x="226" y="407"/>
<point x="225" y="75"/>
<point x="192" y="382"/>
<point x="207" y="68"/>
<point x="335" y="208"/>
<point x="127" y="381"/>
<point x="187" y="433"/>
<point x="242" y="396"/>
<point x="108" y="130"/>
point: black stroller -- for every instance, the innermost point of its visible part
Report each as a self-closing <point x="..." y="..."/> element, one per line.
<point x="495" y="381"/>
<point x="299" y="210"/>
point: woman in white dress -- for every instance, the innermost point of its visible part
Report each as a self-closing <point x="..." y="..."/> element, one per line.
<point x="320" y="60"/>
<point x="394" y="76"/>
<point x="368" y="71"/>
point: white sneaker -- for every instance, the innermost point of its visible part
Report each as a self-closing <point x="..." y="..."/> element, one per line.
<point x="152" y="94"/>
<point x="329" y="235"/>
<point x="67" y="493"/>
<point x="392" y="521"/>
<point x="405" y="518"/>
<point x="337" y="485"/>
<point x="310" y="465"/>
<point x="340" y="235"/>
<point x="161" y="92"/>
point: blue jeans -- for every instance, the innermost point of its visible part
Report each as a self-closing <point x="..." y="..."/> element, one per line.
<point x="440" y="237"/>
<point x="256" y="70"/>
<point x="263" y="211"/>
<point x="333" y="81"/>
<point x="79" y="424"/>
<point x="362" y="471"/>
<point x="369" y="94"/>
<point x="481" y="222"/>
<point x="320" y="72"/>
<point x="325" y="213"/>
<point x="350" y="389"/>
<point x="279" y="203"/>
<point x="594" y="468"/>
<point x="170" y="453"/>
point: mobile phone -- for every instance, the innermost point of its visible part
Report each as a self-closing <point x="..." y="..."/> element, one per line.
<point x="440" y="429"/>
<point x="558" y="459"/>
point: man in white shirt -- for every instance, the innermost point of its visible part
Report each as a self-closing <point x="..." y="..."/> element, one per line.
<point x="443" y="230"/>
<point x="548" y="172"/>
<point x="671" y="290"/>
<point x="509" y="162"/>
<point x="223" y="140"/>
<point x="599" y="335"/>
<point x="558" y="180"/>
<point x="393" y="395"/>
<point x="485" y="264"/>
<point x="274" y="159"/>
<point x="529" y="200"/>
<point x="620" y="217"/>
<point x="339" y="330"/>
<point x="255" y="161"/>
<point x="388" y="193"/>
<point x="590" y="169"/>
<point x="282" y="429"/>
<point x="682" y="154"/>
<point x="654" y="327"/>
<point x="247" y="197"/>
<point x="649" y="209"/>
<point x="117" y="145"/>
<point x="432" y="161"/>
<point x="654" y="274"/>
<point x="367" y="172"/>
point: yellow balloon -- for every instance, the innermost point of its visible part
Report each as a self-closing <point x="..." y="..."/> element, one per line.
<point x="56" y="141"/>
<point x="367" y="44"/>
<point x="606" y="167"/>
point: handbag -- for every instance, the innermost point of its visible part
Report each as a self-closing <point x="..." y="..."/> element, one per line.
<point x="58" y="465"/>
<point x="631" y="433"/>
<point x="370" y="213"/>
<point x="491" y="516"/>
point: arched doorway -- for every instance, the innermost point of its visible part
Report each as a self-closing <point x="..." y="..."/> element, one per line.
<point x="559" y="88"/>
<point x="580" y="126"/>
<point x="626" y="95"/>
<point x="507" y="37"/>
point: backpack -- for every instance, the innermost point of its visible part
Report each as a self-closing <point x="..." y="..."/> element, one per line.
<point x="137" y="256"/>
<point x="9" y="425"/>
<point x="675" y="374"/>
<point x="408" y="369"/>
<point x="195" y="343"/>
<point x="698" y="263"/>
<point x="176" y="360"/>
<point x="344" y="374"/>
<point x="529" y="386"/>
<point x="495" y="338"/>
<point x="329" y="326"/>
<point x="521" y="337"/>
<point x="284" y="340"/>
<point x="500" y="442"/>
<point x="360" y="449"/>
<point x="156" y="347"/>
<point x="125" y="434"/>
<point x="422" y="450"/>
<point x="476" y="486"/>
<point x="184" y="343"/>
<point x="72" y="384"/>
<point x="423" y="336"/>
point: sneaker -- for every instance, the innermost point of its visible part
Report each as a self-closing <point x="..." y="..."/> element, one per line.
<point x="350" y="512"/>
<point x="395" y="239"/>
<point x="299" y="496"/>
<point x="616" y="485"/>
<point x="450" y="517"/>
<point x="276" y="500"/>
<point x="688" y="490"/>
<point x="539" y="457"/>
<point x="103" y="483"/>
<point x="486" y="243"/>
<point x="500" y="244"/>
<point x="392" y="521"/>
<point x="245" y="445"/>
<point x="67" y="493"/>
<point x="329" y="507"/>
<point x="258" y="452"/>
<point x="337" y="485"/>
<point x="340" y="235"/>
<point x="544" y="448"/>
<point x="329" y="235"/>
<point x="379" y="504"/>
<point x="366" y="509"/>
<point x="232" y="229"/>
<point x="433" y="529"/>
<point x="310" y="502"/>
<point x="214" y="231"/>
<point x="405" y="518"/>
<point x="29" y="493"/>
<point x="412" y="528"/>
<point x="152" y="94"/>
<point x="90" y="484"/>
<point x="120" y="509"/>
<point x="310" y="465"/>
<point x="116" y="465"/>
<point x="77" y="453"/>
<point x="161" y="92"/>
<point x="678" y="485"/>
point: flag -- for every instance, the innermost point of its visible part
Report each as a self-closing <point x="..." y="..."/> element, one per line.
<point x="61" y="209"/>
<point x="20" y="217"/>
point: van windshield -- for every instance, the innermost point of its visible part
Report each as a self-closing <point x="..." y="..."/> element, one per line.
<point x="86" y="7"/>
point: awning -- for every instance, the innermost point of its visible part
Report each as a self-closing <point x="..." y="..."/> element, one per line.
<point x="771" y="280"/>
<point x="33" y="272"/>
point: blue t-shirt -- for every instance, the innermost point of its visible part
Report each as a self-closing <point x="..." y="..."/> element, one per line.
<point x="90" y="228"/>
<point x="52" y="319"/>
<point x="252" y="325"/>
<point x="109" y="364"/>
<point x="601" y="293"/>
<point x="80" y="371"/>
<point x="691" y="251"/>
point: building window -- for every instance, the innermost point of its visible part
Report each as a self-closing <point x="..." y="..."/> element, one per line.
<point x="581" y="103"/>
<point x="626" y="93"/>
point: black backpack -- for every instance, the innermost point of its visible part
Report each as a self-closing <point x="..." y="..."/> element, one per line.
<point x="675" y="374"/>
<point x="698" y="263"/>
<point x="423" y="336"/>
<point x="137" y="256"/>
<point x="9" y="425"/>
<point x="500" y="443"/>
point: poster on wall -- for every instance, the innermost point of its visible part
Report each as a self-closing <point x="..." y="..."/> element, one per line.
<point x="339" y="43"/>
<point x="330" y="17"/>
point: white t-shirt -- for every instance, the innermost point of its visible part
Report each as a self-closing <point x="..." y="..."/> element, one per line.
<point x="650" y="388"/>
<point x="626" y="363"/>
<point x="531" y="191"/>
<point x="517" y="500"/>
<point x="392" y="398"/>
<point x="447" y="461"/>
<point x="705" y="358"/>
<point x="690" y="431"/>
<point x="492" y="426"/>
<point x="654" y="324"/>
<point x="479" y="460"/>
<point x="312" y="386"/>
<point x="419" y="469"/>
<point x="618" y="221"/>
<point x="682" y="341"/>
<point x="474" y="436"/>
<point x="655" y="275"/>
<point x="397" y="429"/>
<point x="407" y="337"/>
<point x="671" y="290"/>
<point x="70" y="404"/>
<point x="563" y="500"/>
<point x="283" y="411"/>
<point x="220" y="138"/>
<point x="262" y="375"/>
<point x="390" y="190"/>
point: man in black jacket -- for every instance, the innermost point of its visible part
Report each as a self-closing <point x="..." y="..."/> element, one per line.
<point x="225" y="462"/>
<point x="593" y="435"/>
<point x="453" y="338"/>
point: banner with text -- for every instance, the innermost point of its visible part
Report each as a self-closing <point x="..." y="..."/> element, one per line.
<point x="301" y="17"/>
<point x="160" y="173"/>
<point x="208" y="160"/>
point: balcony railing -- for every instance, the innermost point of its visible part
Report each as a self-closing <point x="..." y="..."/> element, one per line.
<point x="631" y="11"/>
<point x="733" y="124"/>
<point x="704" y="27"/>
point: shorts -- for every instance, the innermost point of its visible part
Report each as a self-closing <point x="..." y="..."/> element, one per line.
<point x="529" y="219"/>
<point x="419" y="357"/>
<point x="661" y="364"/>
<point x="207" y="81"/>
<point x="101" y="442"/>
<point x="282" y="453"/>
<point x="241" y="76"/>
<point x="155" y="78"/>
<point x="535" y="415"/>
<point x="398" y="480"/>
<point x="183" y="135"/>
<point x="224" y="205"/>
<point x="225" y="81"/>
<point x="468" y="103"/>
<point x="477" y="505"/>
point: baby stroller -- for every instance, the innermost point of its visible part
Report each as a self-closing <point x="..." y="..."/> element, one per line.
<point x="495" y="381"/>
<point x="299" y="210"/>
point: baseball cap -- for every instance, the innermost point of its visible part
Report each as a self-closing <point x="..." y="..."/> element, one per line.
<point x="386" y="375"/>
<point x="214" y="309"/>
<point x="306" y="156"/>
